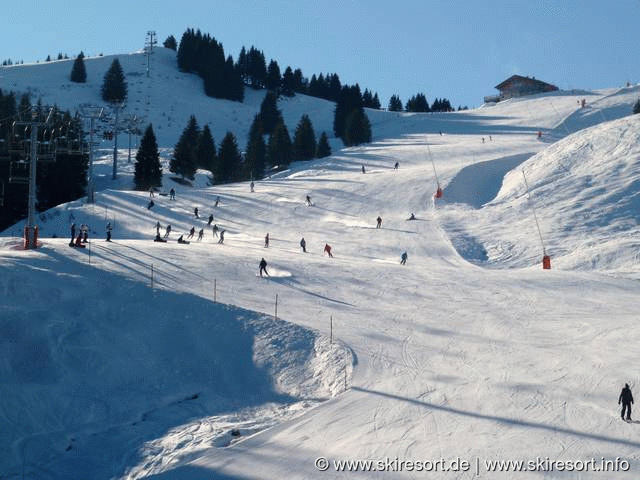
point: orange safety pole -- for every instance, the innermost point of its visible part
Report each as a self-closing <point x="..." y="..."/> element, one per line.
<point x="546" y="259"/>
<point x="438" y="193"/>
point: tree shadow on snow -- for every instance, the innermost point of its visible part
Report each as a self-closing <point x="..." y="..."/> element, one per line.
<point x="505" y="420"/>
<point x="128" y="364"/>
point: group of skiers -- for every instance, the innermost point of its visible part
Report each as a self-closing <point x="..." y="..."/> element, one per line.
<point x="83" y="235"/>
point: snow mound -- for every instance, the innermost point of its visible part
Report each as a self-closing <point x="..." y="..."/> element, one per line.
<point x="117" y="365"/>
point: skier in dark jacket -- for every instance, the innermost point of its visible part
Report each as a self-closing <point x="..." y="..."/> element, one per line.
<point x="210" y="220"/>
<point x="626" y="399"/>
<point x="378" y="222"/>
<point x="303" y="244"/>
<point x="403" y="258"/>
<point x="263" y="267"/>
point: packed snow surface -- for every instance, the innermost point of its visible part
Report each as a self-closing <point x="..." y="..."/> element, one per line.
<point x="137" y="359"/>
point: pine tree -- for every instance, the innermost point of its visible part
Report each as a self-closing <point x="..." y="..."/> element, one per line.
<point x="299" y="82"/>
<point x="395" y="104"/>
<point x="114" y="87"/>
<point x="269" y="114"/>
<point x="170" y="43"/>
<point x="288" y="85"/>
<point x="324" y="149"/>
<point x="279" y="149"/>
<point x="256" y="68"/>
<point x="418" y="103"/>
<point x="148" y="173"/>
<point x="636" y="107"/>
<point x="350" y="99"/>
<point x="206" y="150"/>
<point x="78" y="71"/>
<point x="187" y="51"/>
<point x="304" y="140"/>
<point x="229" y="160"/>
<point x="358" y="128"/>
<point x="184" y="162"/>
<point x="273" y="80"/>
<point x="256" y="152"/>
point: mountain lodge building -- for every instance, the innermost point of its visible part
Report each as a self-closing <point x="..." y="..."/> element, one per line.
<point x="518" y="86"/>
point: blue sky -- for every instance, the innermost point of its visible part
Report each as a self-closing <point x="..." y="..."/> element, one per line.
<point x="454" y="49"/>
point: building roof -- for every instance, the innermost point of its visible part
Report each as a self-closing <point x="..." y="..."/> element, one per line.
<point x="531" y="81"/>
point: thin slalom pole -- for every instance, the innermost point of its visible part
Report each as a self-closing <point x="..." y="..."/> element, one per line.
<point x="438" y="193"/>
<point x="535" y="217"/>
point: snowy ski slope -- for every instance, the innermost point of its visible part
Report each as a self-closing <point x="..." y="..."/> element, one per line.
<point x="469" y="353"/>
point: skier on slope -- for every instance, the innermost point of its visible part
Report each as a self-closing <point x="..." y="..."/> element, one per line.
<point x="109" y="228"/>
<point x="309" y="201"/>
<point x="210" y="220"/>
<point x="403" y="258"/>
<point x="327" y="248"/>
<point x="201" y="234"/>
<point x="378" y="222"/>
<point x="303" y="244"/>
<point x="79" y="241"/>
<point x="263" y="267"/>
<point x="221" y="236"/>
<point x="167" y="231"/>
<point x="215" y="230"/>
<point x="192" y="232"/>
<point x="626" y="399"/>
<point x="266" y="241"/>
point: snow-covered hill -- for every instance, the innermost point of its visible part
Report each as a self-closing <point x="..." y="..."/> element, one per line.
<point x="166" y="98"/>
<point x="470" y="352"/>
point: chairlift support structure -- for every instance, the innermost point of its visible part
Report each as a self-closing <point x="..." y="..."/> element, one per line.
<point x="19" y="172"/>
